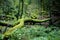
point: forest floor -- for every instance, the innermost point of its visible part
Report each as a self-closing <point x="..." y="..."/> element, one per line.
<point x="35" y="32"/>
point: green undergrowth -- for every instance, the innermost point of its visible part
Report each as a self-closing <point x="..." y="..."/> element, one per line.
<point x="1" y="36"/>
<point x="36" y="32"/>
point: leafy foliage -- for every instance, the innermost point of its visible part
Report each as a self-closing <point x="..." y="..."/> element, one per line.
<point x="35" y="8"/>
<point x="12" y="10"/>
<point x="36" y="32"/>
<point x="9" y="11"/>
<point x="1" y="37"/>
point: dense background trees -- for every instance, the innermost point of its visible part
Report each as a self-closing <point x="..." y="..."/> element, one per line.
<point x="12" y="10"/>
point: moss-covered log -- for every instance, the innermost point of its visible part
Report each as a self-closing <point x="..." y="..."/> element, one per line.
<point x="15" y="27"/>
<point x="37" y="20"/>
<point x="7" y="33"/>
